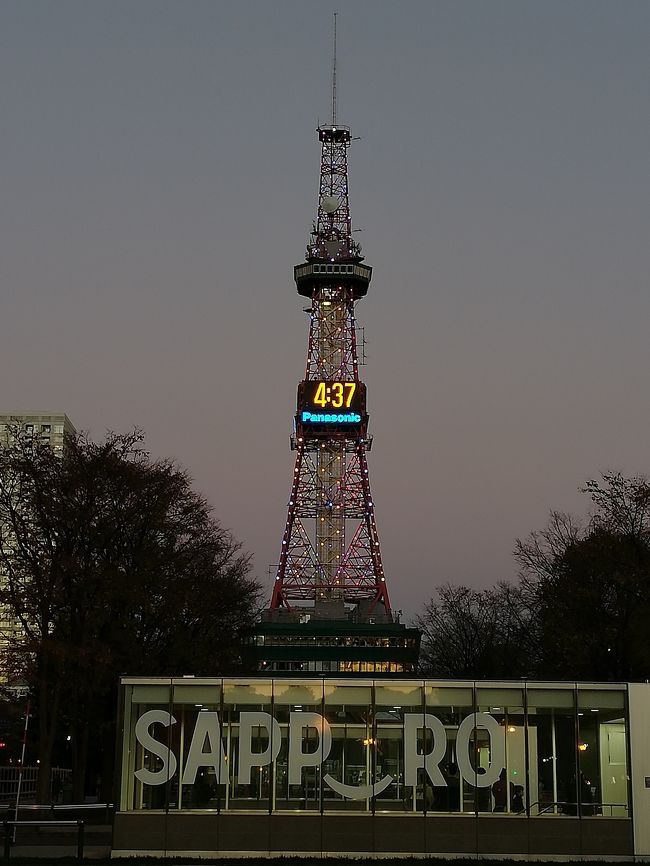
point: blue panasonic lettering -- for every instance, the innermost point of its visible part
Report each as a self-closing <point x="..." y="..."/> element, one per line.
<point x="319" y="418"/>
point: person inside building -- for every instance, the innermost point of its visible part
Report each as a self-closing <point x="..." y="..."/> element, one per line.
<point x="500" y="792"/>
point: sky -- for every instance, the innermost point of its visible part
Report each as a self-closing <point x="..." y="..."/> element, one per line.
<point x="158" y="180"/>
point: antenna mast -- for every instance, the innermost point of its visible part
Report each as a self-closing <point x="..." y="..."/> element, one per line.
<point x="334" y="76"/>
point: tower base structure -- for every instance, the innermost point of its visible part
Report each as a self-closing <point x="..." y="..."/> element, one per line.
<point x="327" y="639"/>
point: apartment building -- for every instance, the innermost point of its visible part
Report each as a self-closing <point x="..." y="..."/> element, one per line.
<point x="49" y="428"/>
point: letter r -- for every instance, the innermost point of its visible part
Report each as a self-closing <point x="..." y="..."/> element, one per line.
<point x="413" y="761"/>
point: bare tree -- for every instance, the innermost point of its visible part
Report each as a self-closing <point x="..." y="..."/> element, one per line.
<point x="622" y="504"/>
<point x="475" y="633"/>
<point x="112" y="564"/>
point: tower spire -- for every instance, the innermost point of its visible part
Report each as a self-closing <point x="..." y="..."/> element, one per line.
<point x="334" y="76"/>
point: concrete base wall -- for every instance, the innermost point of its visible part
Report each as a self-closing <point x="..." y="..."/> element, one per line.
<point x="255" y="834"/>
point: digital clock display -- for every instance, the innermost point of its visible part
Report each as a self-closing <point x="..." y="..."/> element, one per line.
<point x="326" y="404"/>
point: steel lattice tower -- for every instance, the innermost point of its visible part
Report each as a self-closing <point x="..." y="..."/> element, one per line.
<point x="330" y="554"/>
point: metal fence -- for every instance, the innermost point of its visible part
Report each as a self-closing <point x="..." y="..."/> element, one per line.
<point x="9" y="777"/>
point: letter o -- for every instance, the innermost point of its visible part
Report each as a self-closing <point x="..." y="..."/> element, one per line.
<point x="497" y="749"/>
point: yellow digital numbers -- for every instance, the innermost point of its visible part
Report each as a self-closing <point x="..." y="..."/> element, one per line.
<point x="319" y="397"/>
<point x="337" y="400"/>
<point x="335" y="394"/>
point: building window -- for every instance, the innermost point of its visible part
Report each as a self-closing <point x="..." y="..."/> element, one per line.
<point x="466" y="748"/>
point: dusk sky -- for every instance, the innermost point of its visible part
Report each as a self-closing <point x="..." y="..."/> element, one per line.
<point x="158" y="180"/>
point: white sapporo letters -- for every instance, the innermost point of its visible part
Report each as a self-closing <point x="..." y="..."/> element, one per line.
<point x="413" y="724"/>
<point x="207" y="750"/>
<point x="299" y="722"/>
<point x="208" y="731"/>
<point x="160" y="750"/>
<point x="497" y="749"/>
<point x="247" y="757"/>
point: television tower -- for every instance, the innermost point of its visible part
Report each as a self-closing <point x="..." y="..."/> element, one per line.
<point x="330" y="548"/>
<point x="330" y="609"/>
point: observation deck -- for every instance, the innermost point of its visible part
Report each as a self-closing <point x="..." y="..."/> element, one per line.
<point x="311" y="276"/>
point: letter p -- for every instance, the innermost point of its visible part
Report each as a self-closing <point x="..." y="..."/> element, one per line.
<point x="249" y="759"/>
<point x="299" y="759"/>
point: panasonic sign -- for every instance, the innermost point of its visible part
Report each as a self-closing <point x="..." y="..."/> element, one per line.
<point x="207" y="751"/>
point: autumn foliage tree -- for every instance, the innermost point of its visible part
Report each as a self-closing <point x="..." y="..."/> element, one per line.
<point x="111" y="564"/>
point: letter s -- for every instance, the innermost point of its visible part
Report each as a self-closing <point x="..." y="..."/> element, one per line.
<point x="160" y="750"/>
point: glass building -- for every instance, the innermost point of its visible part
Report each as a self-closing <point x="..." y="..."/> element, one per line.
<point x="218" y="767"/>
<point x="331" y="647"/>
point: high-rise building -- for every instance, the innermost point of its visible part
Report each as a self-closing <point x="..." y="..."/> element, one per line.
<point x="48" y="428"/>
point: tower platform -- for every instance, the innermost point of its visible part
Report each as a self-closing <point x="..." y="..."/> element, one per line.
<point x="299" y="644"/>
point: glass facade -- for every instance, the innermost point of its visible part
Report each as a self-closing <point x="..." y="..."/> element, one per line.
<point x="402" y="746"/>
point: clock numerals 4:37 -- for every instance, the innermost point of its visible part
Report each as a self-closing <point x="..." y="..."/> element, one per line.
<point x="335" y="394"/>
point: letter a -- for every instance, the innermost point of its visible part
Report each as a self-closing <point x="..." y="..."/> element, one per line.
<point x="207" y="727"/>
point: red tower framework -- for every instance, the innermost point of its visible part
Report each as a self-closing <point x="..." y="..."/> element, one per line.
<point x="330" y="613"/>
<point x="330" y="556"/>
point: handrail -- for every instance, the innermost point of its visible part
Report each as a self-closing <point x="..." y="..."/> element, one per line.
<point x="578" y="806"/>
<point x="44" y="823"/>
<point x="8" y="836"/>
<point x="58" y="807"/>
